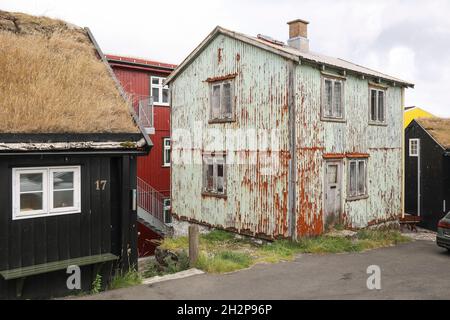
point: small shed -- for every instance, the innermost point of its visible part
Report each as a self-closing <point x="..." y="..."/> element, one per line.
<point x="427" y="170"/>
<point x="68" y="148"/>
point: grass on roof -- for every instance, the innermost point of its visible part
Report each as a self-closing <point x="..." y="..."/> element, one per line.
<point x="439" y="128"/>
<point x="52" y="81"/>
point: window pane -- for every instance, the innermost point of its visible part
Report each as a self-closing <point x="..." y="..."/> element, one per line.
<point x="31" y="201"/>
<point x="361" y="178"/>
<point x="155" y="94"/>
<point x="328" y="98"/>
<point x="210" y="177"/>
<point x="155" y="81"/>
<point x="215" y="102"/>
<point x="332" y="174"/>
<point x="167" y="156"/>
<point x="380" y="105"/>
<point x="62" y="199"/>
<point x="226" y="103"/>
<point x="167" y="143"/>
<point x="352" y="178"/>
<point x="62" y="180"/>
<point x="30" y="182"/>
<point x="165" y="95"/>
<point x="220" y="170"/>
<point x="337" y="100"/>
<point x="373" y="105"/>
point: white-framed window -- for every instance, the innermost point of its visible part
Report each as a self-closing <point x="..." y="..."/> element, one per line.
<point x="333" y="99"/>
<point x="166" y="211"/>
<point x="214" y="175"/>
<point x="222" y="100"/>
<point x="413" y="147"/>
<point x="166" y="152"/>
<point x="159" y="92"/>
<point x="377" y="114"/>
<point x="45" y="191"/>
<point x="357" y="178"/>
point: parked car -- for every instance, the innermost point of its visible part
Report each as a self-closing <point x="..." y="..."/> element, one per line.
<point x="443" y="234"/>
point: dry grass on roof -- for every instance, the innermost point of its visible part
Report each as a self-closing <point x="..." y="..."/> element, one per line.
<point x="438" y="128"/>
<point x="53" y="82"/>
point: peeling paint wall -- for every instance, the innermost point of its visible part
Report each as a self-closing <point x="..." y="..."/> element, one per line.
<point x="316" y="137"/>
<point x="256" y="203"/>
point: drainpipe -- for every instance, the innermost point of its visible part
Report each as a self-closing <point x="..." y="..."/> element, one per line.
<point x="293" y="160"/>
<point x="403" y="153"/>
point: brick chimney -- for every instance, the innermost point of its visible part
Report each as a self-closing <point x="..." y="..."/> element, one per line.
<point x="298" y="35"/>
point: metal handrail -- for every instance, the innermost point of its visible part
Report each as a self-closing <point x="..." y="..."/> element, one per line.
<point x="143" y="106"/>
<point x="150" y="199"/>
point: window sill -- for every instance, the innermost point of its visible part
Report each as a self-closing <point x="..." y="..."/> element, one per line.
<point x="165" y="166"/>
<point x="379" y="124"/>
<point x="357" y="198"/>
<point x="45" y="215"/>
<point x="214" y="195"/>
<point x="333" y="120"/>
<point x="212" y="121"/>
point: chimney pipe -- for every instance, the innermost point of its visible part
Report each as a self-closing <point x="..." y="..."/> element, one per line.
<point x="298" y="35"/>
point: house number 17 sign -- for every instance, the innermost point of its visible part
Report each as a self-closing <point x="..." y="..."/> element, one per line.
<point x="100" y="184"/>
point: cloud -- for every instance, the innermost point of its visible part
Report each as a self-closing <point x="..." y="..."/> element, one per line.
<point x="406" y="38"/>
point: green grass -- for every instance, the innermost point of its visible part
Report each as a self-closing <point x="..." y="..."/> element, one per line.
<point x="127" y="279"/>
<point x="218" y="236"/>
<point x="223" y="261"/>
<point x="222" y="252"/>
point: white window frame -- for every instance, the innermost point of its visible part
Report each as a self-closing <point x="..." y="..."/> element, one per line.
<point x="160" y="88"/>
<point x="223" y="115"/>
<point x="412" y="154"/>
<point x="166" y="162"/>
<point x="47" y="195"/>
<point x="377" y="121"/>
<point x="357" y="195"/>
<point x="332" y="117"/>
<point x="215" y="160"/>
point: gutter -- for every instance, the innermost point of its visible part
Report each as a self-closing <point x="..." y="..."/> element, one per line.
<point x="137" y="66"/>
<point x="75" y="153"/>
<point x="292" y="176"/>
<point x="119" y="87"/>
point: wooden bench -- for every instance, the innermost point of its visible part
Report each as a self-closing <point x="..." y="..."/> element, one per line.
<point x="410" y="221"/>
<point x="20" y="274"/>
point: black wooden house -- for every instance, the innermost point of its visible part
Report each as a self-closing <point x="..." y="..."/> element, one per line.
<point x="68" y="148"/>
<point x="427" y="170"/>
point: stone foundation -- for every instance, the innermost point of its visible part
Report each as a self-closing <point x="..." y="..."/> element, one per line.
<point x="180" y="228"/>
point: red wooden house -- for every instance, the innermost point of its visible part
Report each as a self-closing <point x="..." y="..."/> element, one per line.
<point x="143" y="81"/>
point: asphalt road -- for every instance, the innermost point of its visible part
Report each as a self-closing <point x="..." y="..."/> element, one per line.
<point x="417" y="270"/>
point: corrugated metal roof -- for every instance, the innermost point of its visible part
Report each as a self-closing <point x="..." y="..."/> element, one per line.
<point x="290" y="53"/>
<point x="140" y="61"/>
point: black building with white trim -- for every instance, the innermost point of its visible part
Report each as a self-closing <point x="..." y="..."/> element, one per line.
<point x="427" y="170"/>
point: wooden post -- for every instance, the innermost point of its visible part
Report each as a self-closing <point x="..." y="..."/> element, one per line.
<point x="193" y="244"/>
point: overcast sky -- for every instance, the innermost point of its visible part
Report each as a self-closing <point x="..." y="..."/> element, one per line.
<point x="409" y="39"/>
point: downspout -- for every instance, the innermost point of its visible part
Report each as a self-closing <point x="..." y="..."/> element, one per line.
<point x="403" y="153"/>
<point x="293" y="160"/>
